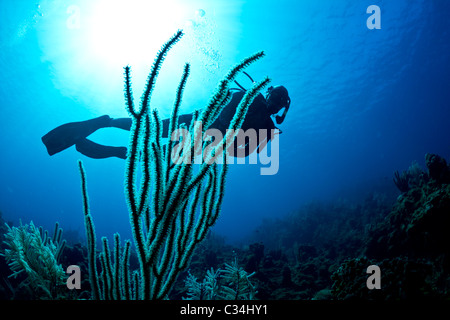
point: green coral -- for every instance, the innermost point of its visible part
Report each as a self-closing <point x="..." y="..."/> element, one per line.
<point x="230" y="283"/>
<point x="238" y="285"/>
<point x="208" y="289"/>
<point x="171" y="205"/>
<point x="30" y="251"/>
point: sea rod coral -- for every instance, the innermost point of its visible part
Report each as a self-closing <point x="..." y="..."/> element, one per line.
<point x="171" y="205"/>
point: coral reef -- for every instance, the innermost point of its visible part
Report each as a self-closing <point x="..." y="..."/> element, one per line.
<point x="418" y="224"/>
<point x="438" y="169"/>
<point x="411" y="178"/>
<point x="403" y="279"/>
<point x="322" y="252"/>
<point x="230" y="283"/>
<point x="417" y="227"/>
<point x="410" y="245"/>
<point x="415" y="177"/>
<point x="30" y="251"/>
<point x="172" y="207"/>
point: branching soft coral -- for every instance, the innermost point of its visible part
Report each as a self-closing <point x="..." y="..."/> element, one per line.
<point x="231" y="283"/>
<point x="171" y="204"/>
<point x="32" y="252"/>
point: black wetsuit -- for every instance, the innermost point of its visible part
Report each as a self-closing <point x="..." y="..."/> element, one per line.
<point x="76" y="133"/>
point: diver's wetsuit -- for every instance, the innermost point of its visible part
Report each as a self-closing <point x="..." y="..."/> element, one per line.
<point x="76" y="133"/>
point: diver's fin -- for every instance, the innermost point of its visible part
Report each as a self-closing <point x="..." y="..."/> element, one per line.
<point x="69" y="134"/>
<point x="99" y="151"/>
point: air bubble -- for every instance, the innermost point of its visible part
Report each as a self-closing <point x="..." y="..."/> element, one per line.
<point x="200" y="13"/>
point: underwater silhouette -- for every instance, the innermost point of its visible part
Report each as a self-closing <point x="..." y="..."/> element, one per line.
<point x="257" y="118"/>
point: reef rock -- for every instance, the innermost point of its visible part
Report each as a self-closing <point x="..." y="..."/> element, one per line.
<point x="437" y="168"/>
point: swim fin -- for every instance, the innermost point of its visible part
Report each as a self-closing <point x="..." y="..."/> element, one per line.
<point x="71" y="133"/>
<point x="99" y="151"/>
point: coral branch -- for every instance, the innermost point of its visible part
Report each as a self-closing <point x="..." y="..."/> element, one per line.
<point x="145" y="101"/>
<point x="173" y="205"/>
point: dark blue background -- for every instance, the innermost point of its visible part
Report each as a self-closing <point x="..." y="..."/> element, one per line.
<point x="364" y="104"/>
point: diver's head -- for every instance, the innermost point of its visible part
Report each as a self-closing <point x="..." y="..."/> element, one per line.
<point x="277" y="99"/>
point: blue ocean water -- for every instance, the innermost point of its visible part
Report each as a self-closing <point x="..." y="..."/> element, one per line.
<point x="365" y="102"/>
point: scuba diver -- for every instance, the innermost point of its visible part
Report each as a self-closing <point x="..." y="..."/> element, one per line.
<point x="258" y="117"/>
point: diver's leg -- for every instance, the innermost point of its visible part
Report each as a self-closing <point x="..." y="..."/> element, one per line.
<point x="73" y="133"/>
<point x="68" y="134"/>
<point x="121" y="123"/>
<point x="125" y="123"/>
<point x="99" y="151"/>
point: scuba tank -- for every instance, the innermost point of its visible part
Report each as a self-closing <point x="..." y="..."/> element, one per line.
<point x="277" y="96"/>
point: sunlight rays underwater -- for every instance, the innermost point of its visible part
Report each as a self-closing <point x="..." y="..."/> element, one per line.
<point x="88" y="43"/>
